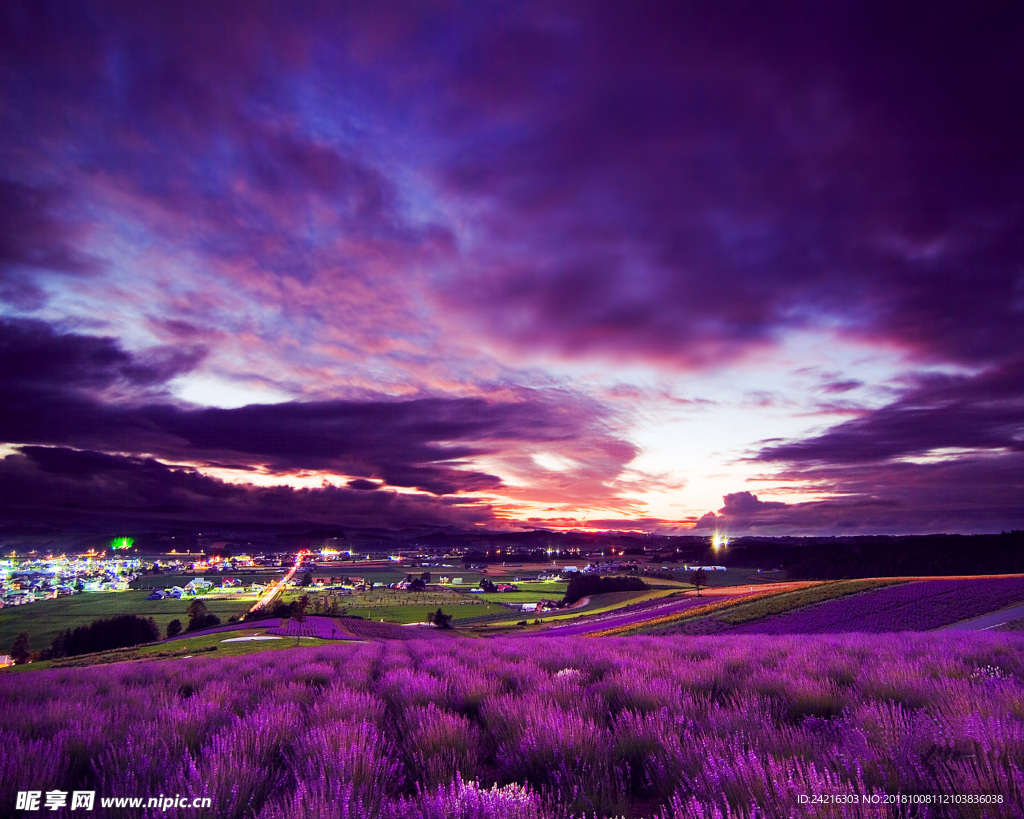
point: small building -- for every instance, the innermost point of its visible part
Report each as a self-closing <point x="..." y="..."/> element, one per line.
<point x="156" y="594"/>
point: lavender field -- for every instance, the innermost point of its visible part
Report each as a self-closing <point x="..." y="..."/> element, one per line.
<point x="542" y="728"/>
<point x="918" y="606"/>
<point x="626" y="616"/>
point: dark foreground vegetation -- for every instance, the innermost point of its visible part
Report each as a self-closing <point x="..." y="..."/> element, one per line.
<point x="103" y="635"/>
<point x="666" y="727"/>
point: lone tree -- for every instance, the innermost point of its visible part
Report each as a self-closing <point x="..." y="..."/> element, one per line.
<point x="20" y="652"/>
<point x="301" y="607"/>
<point x="173" y="628"/>
<point x="307" y="579"/>
<point x="199" y="617"/>
<point x="699" y="579"/>
<point x="440" y="619"/>
<point x="196" y="614"/>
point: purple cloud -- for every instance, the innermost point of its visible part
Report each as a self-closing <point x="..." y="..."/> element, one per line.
<point x="685" y="189"/>
<point x="395" y="210"/>
<point x="984" y="411"/>
<point x="55" y="384"/>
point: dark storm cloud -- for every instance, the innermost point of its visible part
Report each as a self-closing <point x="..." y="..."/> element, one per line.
<point x="680" y="185"/>
<point x="686" y="184"/>
<point x="946" y="456"/>
<point x="676" y="184"/>
<point x="34" y="239"/>
<point x="54" y="383"/>
<point x="746" y="503"/>
<point x="192" y="130"/>
<point x="66" y="486"/>
<point x="968" y="494"/>
<point x="34" y="358"/>
<point x="983" y="412"/>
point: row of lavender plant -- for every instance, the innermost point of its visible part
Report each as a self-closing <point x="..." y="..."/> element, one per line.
<point x="621" y="617"/>
<point x="545" y="729"/>
<point x="907" y="607"/>
<point x="326" y="628"/>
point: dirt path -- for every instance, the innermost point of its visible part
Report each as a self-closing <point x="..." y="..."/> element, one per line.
<point x="987" y="621"/>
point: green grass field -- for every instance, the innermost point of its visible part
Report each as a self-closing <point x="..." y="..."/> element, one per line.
<point x="45" y="619"/>
<point x="207" y="645"/>
<point x="394" y="606"/>
<point x="416" y="613"/>
<point x="517" y="597"/>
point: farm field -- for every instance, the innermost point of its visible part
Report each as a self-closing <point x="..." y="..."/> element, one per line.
<point x="627" y="615"/>
<point x="395" y="606"/>
<point x="870" y="605"/>
<point x="638" y="727"/>
<point x="913" y="606"/>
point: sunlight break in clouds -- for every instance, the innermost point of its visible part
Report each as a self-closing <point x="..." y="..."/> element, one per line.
<point x="517" y="266"/>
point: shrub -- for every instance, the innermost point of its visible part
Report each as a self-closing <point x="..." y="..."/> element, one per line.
<point x="20" y="651"/>
<point x="102" y="635"/>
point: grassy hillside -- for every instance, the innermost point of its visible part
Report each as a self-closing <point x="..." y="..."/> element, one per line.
<point x="45" y="619"/>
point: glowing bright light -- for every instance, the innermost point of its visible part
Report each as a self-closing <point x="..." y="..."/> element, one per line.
<point x="719" y="541"/>
<point x="122" y="543"/>
<point x="274" y="589"/>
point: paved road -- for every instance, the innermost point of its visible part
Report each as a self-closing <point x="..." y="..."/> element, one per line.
<point x="989" y="620"/>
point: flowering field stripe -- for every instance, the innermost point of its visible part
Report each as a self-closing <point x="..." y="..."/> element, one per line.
<point x="684" y="614"/>
<point x="916" y="606"/>
<point x="619" y="617"/>
<point x="798" y="598"/>
<point x="326" y="628"/>
<point x="374" y="630"/>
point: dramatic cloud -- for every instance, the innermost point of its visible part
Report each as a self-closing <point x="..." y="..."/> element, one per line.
<point x="54" y="384"/>
<point x="62" y="486"/>
<point x="964" y="495"/>
<point x="692" y="185"/>
<point x="599" y="262"/>
<point x="33" y="239"/>
<point x="979" y="412"/>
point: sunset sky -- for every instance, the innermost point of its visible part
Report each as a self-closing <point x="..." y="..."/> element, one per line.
<point x="659" y="267"/>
